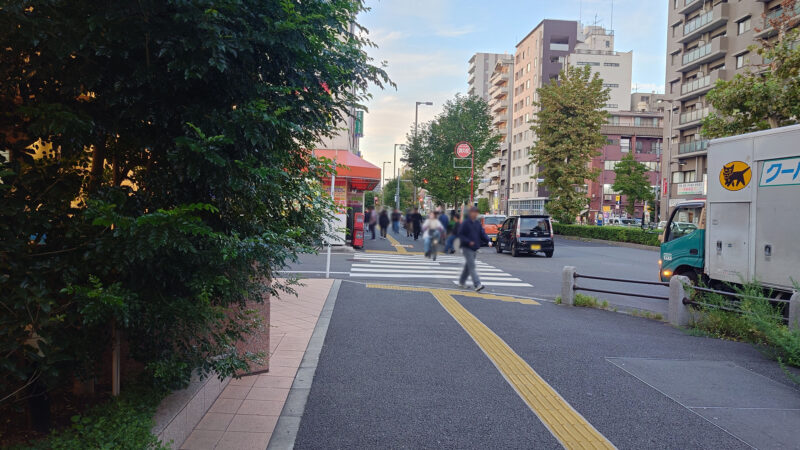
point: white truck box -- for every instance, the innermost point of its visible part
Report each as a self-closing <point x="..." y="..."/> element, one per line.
<point x="753" y="208"/>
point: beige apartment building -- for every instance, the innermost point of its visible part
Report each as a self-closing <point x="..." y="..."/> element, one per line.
<point x="481" y="66"/>
<point x="596" y="50"/>
<point x="538" y="59"/>
<point x="493" y="185"/>
<point x="707" y="40"/>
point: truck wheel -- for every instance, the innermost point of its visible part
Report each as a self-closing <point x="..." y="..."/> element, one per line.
<point x="690" y="274"/>
<point x="548" y="254"/>
<point x="514" y="251"/>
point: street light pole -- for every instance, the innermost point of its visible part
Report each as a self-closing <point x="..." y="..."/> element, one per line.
<point x="383" y="174"/>
<point x="666" y="157"/>
<point x="416" y="124"/>
<point x="397" y="176"/>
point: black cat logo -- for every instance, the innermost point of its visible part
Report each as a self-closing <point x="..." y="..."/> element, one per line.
<point x="735" y="176"/>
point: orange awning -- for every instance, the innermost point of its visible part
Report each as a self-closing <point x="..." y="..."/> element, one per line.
<point x="362" y="174"/>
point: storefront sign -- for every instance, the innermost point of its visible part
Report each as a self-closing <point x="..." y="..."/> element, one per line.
<point x="696" y="188"/>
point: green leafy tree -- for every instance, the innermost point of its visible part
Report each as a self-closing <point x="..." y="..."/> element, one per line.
<point x="430" y="155"/>
<point x="483" y="205"/>
<point x="568" y="136"/>
<point x="765" y="95"/>
<point x="369" y="199"/>
<point x="176" y="178"/>
<point x="631" y="181"/>
<point x="406" y="193"/>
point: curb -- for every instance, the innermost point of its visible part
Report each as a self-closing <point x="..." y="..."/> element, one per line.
<point x="285" y="432"/>
<point x="614" y="243"/>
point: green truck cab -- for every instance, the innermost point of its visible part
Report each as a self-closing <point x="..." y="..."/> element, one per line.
<point x="683" y="242"/>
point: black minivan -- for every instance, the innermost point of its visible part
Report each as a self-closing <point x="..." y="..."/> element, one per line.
<point x="526" y="234"/>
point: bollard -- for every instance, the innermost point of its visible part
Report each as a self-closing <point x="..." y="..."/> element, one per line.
<point x="678" y="312"/>
<point x="794" y="311"/>
<point x="568" y="285"/>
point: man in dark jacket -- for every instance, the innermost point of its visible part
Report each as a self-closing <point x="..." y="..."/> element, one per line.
<point x="471" y="235"/>
<point x="416" y="223"/>
<point x="396" y="221"/>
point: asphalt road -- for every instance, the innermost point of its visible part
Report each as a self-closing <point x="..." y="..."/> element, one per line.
<point x="544" y="274"/>
<point x="399" y="370"/>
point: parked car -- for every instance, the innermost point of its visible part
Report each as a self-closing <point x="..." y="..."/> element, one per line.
<point x="620" y="222"/>
<point x="491" y="222"/>
<point x="526" y="234"/>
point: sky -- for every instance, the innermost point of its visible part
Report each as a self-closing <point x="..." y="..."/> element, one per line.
<point x="426" y="45"/>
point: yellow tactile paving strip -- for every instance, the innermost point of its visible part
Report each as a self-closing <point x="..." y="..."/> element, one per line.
<point x="396" y="244"/>
<point x="504" y="298"/>
<point x="563" y="421"/>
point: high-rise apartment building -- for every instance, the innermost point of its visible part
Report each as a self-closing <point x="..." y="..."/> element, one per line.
<point x="596" y="50"/>
<point x="493" y="184"/>
<point x="538" y="59"/>
<point x="707" y="40"/>
<point x="481" y="66"/>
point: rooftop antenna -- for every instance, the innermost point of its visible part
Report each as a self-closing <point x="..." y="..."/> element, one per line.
<point x="612" y="18"/>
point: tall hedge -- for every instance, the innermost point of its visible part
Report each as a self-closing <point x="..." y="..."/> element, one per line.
<point x="173" y="178"/>
<point x="616" y="234"/>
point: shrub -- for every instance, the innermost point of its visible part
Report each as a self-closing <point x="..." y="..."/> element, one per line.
<point x="607" y="233"/>
<point x="122" y="423"/>
<point x="757" y="321"/>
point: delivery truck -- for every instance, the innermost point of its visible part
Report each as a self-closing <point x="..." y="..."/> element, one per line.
<point x="748" y="226"/>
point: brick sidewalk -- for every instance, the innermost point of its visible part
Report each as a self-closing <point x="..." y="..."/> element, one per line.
<point x="245" y="414"/>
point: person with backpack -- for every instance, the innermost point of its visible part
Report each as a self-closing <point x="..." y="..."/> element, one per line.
<point x="383" y="221"/>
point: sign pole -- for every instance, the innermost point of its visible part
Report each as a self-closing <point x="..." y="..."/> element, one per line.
<point x="333" y="196"/>
<point x="472" y="182"/>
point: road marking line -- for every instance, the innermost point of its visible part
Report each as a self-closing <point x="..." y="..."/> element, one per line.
<point x="563" y="421"/>
<point x="483" y="295"/>
<point x="397" y="245"/>
<point x="389" y="252"/>
<point x="444" y="276"/>
<point x="496" y="272"/>
<point x="487" y="282"/>
<point x="417" y="267"/>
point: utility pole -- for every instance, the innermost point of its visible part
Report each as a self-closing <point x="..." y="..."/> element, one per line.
<point x="396" y="175"/>
<point x="416" y="124"/>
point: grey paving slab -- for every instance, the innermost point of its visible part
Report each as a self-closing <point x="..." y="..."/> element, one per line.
<point x="761" y="428"/>
<point x="704" y="384"/>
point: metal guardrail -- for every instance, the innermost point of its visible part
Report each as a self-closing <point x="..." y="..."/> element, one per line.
<point x="680" y="290"/>
<point x="620" y="280"/>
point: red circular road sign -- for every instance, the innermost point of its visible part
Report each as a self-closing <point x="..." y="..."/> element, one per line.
<point x="463" y="149"/>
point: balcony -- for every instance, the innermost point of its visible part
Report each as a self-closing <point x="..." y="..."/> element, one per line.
<point x="689" y="6"/>
<point x="766" y="28"/>
<point x="692" y="147"/>
<point x="502" y="129"/>
<point x="499" y="79"/>
<point x="705" y="22"/>
<point x="700" y="85"/>
<point x="692" y="118"/>
<point x="499" y="106"/>
<point x="703" y="54"/>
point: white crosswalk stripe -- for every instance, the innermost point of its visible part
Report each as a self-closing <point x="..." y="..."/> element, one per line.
<point x="446" y="267"/>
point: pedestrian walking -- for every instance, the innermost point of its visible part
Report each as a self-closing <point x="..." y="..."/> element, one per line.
<point x="471" y="235"/>
<point x="408" y="222"/>
<point x="442" y="215"/>
<point x="452" y="233"/>
<point x="383" y="221"/>
<point x="416" y="223"/>
<point x="396" y="216"/>
<point x="433" y="229"/>
<point x="373" y="220"/>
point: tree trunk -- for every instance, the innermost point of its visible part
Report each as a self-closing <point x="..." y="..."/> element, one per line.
<point x="773" y="122"/>
<point x="98" y="164"/>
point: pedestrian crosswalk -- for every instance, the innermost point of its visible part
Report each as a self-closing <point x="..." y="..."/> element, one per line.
<point x="446" y="267"/>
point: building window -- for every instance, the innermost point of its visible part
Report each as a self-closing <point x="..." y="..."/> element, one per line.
<point x="528" y="84"/>
<point x="741" y="60"/>
<point x="743" y="25"/>
<point x="625" y="145"/>
<point x="608" y="44"/>
<point x="613" y="120"/>
<point x="674" y="58"/>
<point x="610" y="85"/>
<point x="611" y="165"/>
<point x="639" y="146"/>
<point x="608" y="64"/>
<point x="612" y="106"/>
<point x="677" y="177"/>
<point x="672" y="87"/>
<point x="529" y="67"/>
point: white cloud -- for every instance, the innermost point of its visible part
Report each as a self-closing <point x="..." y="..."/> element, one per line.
<point x="455" y="32"/>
